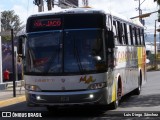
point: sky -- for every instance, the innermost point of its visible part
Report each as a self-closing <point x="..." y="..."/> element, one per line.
<point x="127" y="8"/>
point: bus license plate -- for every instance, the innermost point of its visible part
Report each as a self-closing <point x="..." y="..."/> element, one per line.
<point x="64" y="99"/>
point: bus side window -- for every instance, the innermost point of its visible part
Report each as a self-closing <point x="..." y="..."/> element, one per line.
<point x="135" y="34"/>
<point x="115" y="29"/>
<point x="139" y="36"/>
<point x="131" y="34"/>
<point x="128" y="35"/>
<point x="142" y="36"/>
<point x="110" y="22"/>
<point x="120" y="31"/>
<point x="125" y="34"/>
<point x="107" y="22"/>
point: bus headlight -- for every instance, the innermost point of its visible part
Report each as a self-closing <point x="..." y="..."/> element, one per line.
<point x="97" y="85"/>
<point x="32" y="88"/>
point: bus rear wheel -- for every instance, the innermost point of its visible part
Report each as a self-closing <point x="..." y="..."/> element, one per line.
<point x="137" y="91"/>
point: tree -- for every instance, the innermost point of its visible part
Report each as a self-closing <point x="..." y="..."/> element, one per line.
<point x="10" y="20"/>
<point x="158" y="1"/>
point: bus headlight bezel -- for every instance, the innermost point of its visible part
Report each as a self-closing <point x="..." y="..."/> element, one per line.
<point x="32" y="88"/>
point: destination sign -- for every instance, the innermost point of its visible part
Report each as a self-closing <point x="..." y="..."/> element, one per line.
<point x="43" y="23"/>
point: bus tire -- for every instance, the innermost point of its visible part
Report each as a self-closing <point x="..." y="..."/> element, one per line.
<point x="115" y="104"/>
<point x="137" y="91"/>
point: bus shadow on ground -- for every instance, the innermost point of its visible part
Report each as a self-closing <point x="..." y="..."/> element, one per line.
<point x="150" y="100"/>
<point x="85" y="111"/>
<point x="81" y="111"/>
<point x="67" y="111"/>
<point x="77" y="112"/>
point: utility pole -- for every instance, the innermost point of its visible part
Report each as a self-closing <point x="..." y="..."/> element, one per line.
<point x="13" y="65"/>
<point x="155" y="46"/>
<point x="1" y="76"/>
<point x="140" y="11"/>
<point x="49" y="4"/>
<point x="40" y="5"/>
<point x="85" y="3"/>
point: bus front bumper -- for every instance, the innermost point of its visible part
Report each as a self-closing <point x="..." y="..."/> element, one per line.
<point x="92" y="97"/>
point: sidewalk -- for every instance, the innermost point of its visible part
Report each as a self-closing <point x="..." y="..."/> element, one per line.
<point x="8" y="93"/>
<point x="6" y="96"/>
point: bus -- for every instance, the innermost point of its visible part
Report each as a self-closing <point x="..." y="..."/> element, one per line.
<point x="81" y="56"/>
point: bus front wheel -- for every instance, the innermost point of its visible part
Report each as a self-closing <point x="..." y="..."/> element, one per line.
<point x="115" y="104"/>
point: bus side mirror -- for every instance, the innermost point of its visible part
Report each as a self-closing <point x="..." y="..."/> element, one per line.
<point x="147" y="61"/>
<point x="110" y="39"/>
<point x="21" y="40"/>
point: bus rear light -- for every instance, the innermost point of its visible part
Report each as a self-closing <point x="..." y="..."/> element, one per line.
<point x="97" y="85"/>
<point x="32" y="88"/>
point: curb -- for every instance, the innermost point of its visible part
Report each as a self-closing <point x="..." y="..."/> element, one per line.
<point x="12" y="101"/>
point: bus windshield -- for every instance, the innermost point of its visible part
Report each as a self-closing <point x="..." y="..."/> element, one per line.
<point x="71" y="51"/>
<point x="43" y="51"/>
<point x="81" y="48"/>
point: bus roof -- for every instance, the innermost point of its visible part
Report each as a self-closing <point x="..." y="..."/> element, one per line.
<point x="89" y="10"/>
<point x="69" y="11"/>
